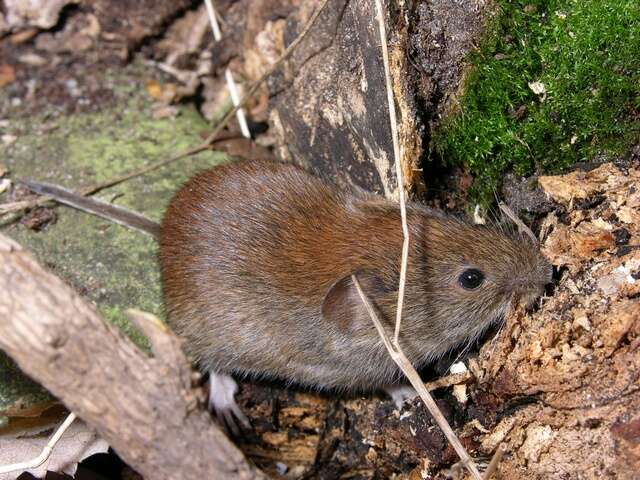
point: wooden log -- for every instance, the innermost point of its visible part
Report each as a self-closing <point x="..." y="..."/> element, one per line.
<point x="144" y="406"/>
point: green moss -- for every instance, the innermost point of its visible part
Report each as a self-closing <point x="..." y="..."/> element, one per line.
<point x="586" y="53"/>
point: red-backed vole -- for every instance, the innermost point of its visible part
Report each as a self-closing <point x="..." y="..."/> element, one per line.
<point x="256" y="261"/>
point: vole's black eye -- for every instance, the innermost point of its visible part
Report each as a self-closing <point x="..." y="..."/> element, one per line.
<point x="471" y="279"/>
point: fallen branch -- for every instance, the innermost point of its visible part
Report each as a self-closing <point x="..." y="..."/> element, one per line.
<point x="145" y="407"/>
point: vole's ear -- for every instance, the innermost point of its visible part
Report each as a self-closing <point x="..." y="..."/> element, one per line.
<point x="343" y="306"/>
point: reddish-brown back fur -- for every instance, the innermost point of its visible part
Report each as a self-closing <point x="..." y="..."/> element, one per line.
<point x="256" y="259"/>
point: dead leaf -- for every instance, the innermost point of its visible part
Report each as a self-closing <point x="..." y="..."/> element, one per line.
<point x="77" y="443"/>
<point x="38" y="218"/>
<point x="628" y="434"/>
<point x="629" y="214"/>
<point x="24" y="409"/>
<point x="8" y="139"/>
<point x="165" y="94"/>
<point x="33" y="59"/>
<point x="185" y="36"/>
<point x="5" y="183"/>
<point x="589" y="239"/>
<point x="619" y="322"/>
<point x="154" y="89"/>
<point x="23" y="36"/>
<point x="92" y="29"/>
<point x="7" y="74"/>
<point x="160" y="111"/>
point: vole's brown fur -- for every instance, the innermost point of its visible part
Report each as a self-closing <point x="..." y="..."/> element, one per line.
<point x="256" y="259"/>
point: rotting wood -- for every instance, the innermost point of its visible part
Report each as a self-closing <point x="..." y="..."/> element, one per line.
<point x="144" y="406"/>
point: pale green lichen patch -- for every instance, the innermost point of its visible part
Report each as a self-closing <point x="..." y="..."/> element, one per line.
<point x="108" y="264"/>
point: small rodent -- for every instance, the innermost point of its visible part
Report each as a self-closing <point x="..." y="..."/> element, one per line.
<point x="256" y="261"/>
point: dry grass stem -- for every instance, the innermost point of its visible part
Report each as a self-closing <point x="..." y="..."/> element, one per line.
<point x="256" y="85"/>
<point x="519" y="223"/>
<point x="405" y="365"/>
<point x="231" y="83"/>
<point x="46" y="451"/>
<point x="394" y="350"/>
<point x="213" y="20"/>
<point x="399" y="175"/>
<point x="495" y="460"/>
<point x="20" y="205"/>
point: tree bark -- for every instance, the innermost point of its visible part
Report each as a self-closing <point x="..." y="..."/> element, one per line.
<point x="332" y="115"/>
<point x="144" y="406"/>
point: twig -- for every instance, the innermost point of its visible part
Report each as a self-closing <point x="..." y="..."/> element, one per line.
<point x="396" y="159"/>
<point x="449" y="380"/>
<point x="519" y="223"/>
<point x="495" y="460"/>
<point x="405" y="365"/>
<point x="46" y="451"/>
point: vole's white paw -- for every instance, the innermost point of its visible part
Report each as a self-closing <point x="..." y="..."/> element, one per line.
<point x="222" y="401"/>
<point x="401" y="394"/>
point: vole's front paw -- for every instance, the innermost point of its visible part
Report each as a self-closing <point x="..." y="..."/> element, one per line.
<point x="400" y="394"/>
<point x="222" y="401"/>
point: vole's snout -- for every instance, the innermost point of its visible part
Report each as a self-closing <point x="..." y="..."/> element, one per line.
<point x="533" y="286"/>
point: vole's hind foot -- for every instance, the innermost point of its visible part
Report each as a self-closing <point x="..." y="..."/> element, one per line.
<point x="222" y="401"/>
<point x="400" y="394"/>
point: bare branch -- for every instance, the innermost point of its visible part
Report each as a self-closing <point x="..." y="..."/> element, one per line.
<point x="145" y="407"/>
